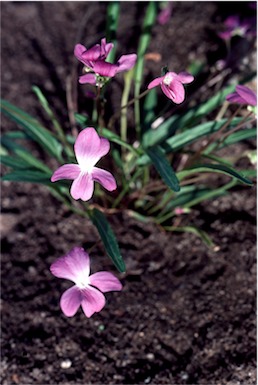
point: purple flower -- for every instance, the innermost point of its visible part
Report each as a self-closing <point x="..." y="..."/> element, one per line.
<point x="243" y="95"/>
<point x="97" y="52"/>
<point x="75" y="266"/>
<point x="88" y="148"/>
<point x="236" y="27"/>
<point x="98" y="71"/>
<point x="172" y="85"/>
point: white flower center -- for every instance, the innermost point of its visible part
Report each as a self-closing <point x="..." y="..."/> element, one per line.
<point x="168" y="79"/>
<point x="82" y="282"/>
<point x="86" y="167"/>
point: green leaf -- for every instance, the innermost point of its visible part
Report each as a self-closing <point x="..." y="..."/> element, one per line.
<point x="153" y="137"/>
<point x="13" y="162"/>
<point x="195" y="230"/>
<point x="31" y="160"/>
<point x="33" y="129"/>
<point x="220" y="168"/>
<point x="28" y="176"/>
<point x="149" y="20"/>
<point x="112" y="23"/>
<point x="108" y="238"/>
<point x="183" y="139"/>
<point x="239" y="136"/>
<point x="192" y="135"/>
<point x="163" y="167"/>
<point x="82" y="120"/>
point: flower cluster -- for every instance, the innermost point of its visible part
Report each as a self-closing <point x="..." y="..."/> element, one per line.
<point x="89" y="148"/>
<point x="97" y="69"/>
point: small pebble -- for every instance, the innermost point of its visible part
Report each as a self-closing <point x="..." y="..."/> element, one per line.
<point x="66" y="364"/>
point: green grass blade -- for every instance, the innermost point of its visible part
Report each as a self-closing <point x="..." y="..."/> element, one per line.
<point x="195" y="230"/>
<point x="14" y="162"/>
<point x="163" y="167"/>
<point x="217" y="168"/>
<point x="108" y="238"/>
<point x="185" y="138"/>
<point x="33" y="129"/>
<point x="149" y="20"/>
<point x="28" y="176"/>
<point x="111" y="28"/>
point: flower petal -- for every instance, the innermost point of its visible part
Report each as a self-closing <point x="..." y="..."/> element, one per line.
<point x="67" y="171"/>
<point x="126" y="62"/>
<point x="156" y="82"/>
<point x="105" y="281"/>
<point x="79" y="49"/>
<point x="87" y="147"/>
<point x="105" y="48"/>
<point x="73" y="266"/>
<point x="103" y="68"/>
<point x="185" y="77"/>
<point x="92" y="53"/>
<point x="87" y="78"/>
<point x="105" y="178"/>
<point x="70" y="301"/>
<point x="92" y="301"/>
<point x="175" y="91"/>
<point x="82" y="187"/>
<point x="247" y="94"/>
<point x="235" y="98"/>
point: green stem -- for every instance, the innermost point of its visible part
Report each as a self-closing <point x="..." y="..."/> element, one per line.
<point x="124" y="101"/>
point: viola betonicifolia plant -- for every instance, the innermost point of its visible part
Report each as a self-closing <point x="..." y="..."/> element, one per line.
<point x="158" y="172"/>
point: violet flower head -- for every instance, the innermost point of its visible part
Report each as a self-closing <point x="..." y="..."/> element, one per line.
<point x="97" y="69"/>
<point x="88" y="289"/>
<point x="243" y="95"/>
<point x="172" y="85"/>
<point x="236" y="27"/>
<point x="88" y="148"/>
<point x="95" y="53"/>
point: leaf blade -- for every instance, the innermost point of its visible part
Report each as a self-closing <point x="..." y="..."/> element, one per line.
<point x="108" y="238"/>
<point x="163" y="167"/>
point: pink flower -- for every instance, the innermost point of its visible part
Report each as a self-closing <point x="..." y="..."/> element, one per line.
<point x="97" y="69"/>
<point x="88" y="148"/>
<point x="243" y="95"/>
<point x="165" y="13"/>
<point x="236" y="27"/>
<point x="75" y="266"/>
<point x="97" y="52"/>
<point x="172" y="85"/>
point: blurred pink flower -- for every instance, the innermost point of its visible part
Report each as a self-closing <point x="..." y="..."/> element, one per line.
<point x="75" y="266"/>
<point x="236" y="27"/>
<point x="97" y="52"/>
<point x="165" y="13"/>
<point x="95" y="66"/>
<point x="172" y="85"/>
<point x="88" y="148"/>
<point x="243" y="95"/>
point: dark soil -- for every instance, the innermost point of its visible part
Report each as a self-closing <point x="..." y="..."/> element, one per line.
<point x="186" y="314"/>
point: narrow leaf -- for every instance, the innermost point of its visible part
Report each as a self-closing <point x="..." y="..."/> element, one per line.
<point x="163" y="167"/>
<point x="220" y="168"/>
<point x="28" y="176"/>
<point x="33" y="129"/>
<point x="108" y="238"/>
<point x="195" y="230"/>
<point x="112" y="23"/>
